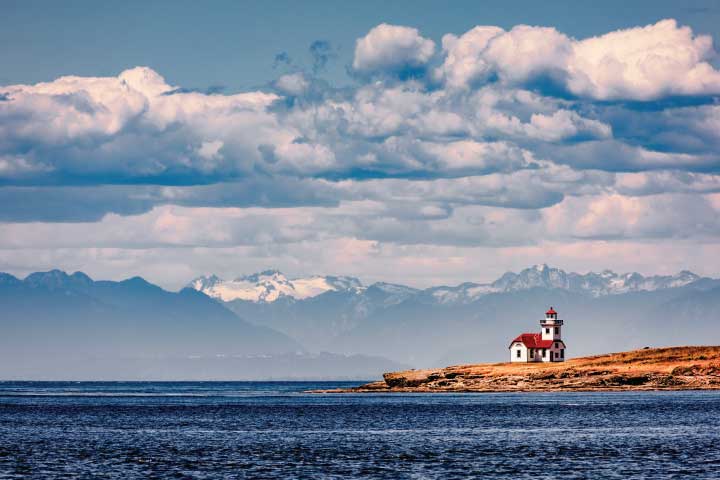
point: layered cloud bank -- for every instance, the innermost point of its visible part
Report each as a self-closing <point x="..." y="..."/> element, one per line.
<point x="490" y="139"/>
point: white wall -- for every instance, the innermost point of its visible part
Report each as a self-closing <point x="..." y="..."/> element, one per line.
<point x="551" y="335"/>
<point x="523" y="352"/>
<point x="546" y="358"/>
<point x="553" y="350"/>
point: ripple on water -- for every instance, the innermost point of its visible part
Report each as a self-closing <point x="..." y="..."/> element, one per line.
<point x="275" y="431"/>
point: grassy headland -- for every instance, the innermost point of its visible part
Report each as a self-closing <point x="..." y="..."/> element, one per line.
<point x="675" y="368"/>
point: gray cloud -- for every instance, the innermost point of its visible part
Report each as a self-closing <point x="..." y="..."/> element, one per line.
<point x="282" y="59"/>
<point x="92" y="203"/>
<point x="321" y="52"/>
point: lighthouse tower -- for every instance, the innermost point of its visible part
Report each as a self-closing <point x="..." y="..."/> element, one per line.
<point x="546" y="346"/>
<point x="551" y="326"/>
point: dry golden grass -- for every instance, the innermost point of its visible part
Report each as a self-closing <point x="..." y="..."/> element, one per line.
<point x="651" y="359"/>
<point x="674" y="368"/>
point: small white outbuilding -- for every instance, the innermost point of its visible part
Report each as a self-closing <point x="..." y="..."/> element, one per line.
<point x="546" y="346"/>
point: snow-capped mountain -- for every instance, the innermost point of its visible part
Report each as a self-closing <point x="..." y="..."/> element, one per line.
<point x="542" y="276"/>
<point x="271" y="285"/>
<point x="464" y="293"/>
<point x="596" y="284"/>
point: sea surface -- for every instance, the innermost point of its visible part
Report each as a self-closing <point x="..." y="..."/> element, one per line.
<point x="276" y="430"/>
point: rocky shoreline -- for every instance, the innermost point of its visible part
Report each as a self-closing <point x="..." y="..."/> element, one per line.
<point x="674" y="368"/>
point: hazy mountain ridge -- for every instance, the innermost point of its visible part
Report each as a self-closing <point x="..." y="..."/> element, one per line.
<point x="56" y="325"/>
<point x="131" y="313"/>
<point x="55" y="322"/>
<point x="272" y="285"/>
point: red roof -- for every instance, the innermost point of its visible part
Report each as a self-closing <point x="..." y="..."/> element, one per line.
<point x="551" y="312"/>
<point x="533" y="340"/>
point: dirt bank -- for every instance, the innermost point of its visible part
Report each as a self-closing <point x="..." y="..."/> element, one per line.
<point x="675" y="368"/>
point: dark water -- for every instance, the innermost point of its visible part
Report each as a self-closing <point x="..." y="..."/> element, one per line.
<point x="274" y="430"/>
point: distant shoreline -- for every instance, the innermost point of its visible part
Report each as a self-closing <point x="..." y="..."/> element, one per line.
<point x="655" y="369"/>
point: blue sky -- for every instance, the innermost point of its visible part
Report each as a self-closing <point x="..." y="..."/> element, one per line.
<point x="234" y="44"/>
<point x="402" y="141"/>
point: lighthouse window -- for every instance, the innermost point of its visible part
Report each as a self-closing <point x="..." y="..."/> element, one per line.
<point x="547" y="330"/>
<point x="557" y="329"/>
<point x="556" y="345"/>
<point x="518" y="354"/>
<point x="562" y="353"/>
<point x="544" y="352"/>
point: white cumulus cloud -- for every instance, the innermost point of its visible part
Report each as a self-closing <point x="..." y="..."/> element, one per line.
<point x="641" y="63"/>
<point x="392" y="47"/>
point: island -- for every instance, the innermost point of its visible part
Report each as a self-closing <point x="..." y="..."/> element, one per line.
<point x="673" y="368"/>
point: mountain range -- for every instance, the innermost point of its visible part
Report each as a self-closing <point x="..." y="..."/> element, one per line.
<point x="68" y="326"/>
<point x="272" y="285"/>
<point x="472" y="322"/>
<point x="60" y="326"/>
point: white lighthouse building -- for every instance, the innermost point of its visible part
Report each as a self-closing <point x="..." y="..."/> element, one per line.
<point x="546" y="346"/>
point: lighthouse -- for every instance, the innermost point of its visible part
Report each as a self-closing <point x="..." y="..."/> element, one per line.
<point x="551" y="326"/>
<point x="546" y="346"/>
